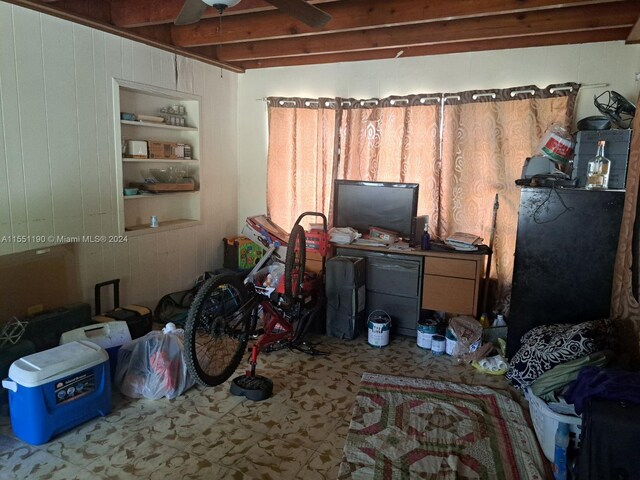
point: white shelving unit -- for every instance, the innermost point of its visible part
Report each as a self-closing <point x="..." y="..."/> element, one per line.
<point x="174" y="209"/>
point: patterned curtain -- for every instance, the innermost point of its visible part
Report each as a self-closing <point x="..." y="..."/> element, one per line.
<point x="624" y="304"/>
<point x="302" y="157"/>
<point x="486" y="137"/>
<point x="461" y="148"/>
<point x="395" y="139"/>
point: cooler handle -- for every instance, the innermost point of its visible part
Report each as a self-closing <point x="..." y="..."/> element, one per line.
<point x="10" y="385"/>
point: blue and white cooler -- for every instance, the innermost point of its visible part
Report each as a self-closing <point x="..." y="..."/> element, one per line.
<point x="58" y="389"/>
<point x="110" y="336"/>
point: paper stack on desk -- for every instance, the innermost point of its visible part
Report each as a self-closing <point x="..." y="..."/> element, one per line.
<point x="465" y="242"/>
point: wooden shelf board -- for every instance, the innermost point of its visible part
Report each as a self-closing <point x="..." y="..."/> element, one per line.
<point x="156" y="195"/>
<point x="158" y="125"/>
<point x="163" y="226"/>
<point x="160" y="160"/>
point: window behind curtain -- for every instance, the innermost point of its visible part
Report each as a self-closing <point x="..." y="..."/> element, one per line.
<point x="302" y="157"/>
<point x="487" y="135"/>
<point x="393" y="140"/>
<point x="461" y="153"/>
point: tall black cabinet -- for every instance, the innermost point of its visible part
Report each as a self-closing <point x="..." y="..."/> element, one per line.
<point x="564" y="258"/>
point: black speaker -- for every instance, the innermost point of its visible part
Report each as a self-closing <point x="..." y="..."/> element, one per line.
<point x="417" y="227"/>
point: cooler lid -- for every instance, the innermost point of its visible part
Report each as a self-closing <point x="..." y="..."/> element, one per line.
<point x="40" y="368"/>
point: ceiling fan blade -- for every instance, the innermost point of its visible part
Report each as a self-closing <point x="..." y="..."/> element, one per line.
<point x="303" y="11"/>
<point x="191" y="12"/>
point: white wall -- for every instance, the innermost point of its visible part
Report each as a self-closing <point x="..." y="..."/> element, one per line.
<point x="613" y="63"/>
<point x="58" y="160"/>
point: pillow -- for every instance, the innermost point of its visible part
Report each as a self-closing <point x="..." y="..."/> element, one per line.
<point x="546" y="346"/>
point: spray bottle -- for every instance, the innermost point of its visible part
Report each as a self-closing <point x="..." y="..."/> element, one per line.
<point x="425" y="241"/>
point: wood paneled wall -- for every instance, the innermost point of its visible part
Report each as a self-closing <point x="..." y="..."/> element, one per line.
<point x="58" y="158"/>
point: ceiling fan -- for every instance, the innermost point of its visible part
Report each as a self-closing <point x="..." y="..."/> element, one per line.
<point x="192" y="10"/>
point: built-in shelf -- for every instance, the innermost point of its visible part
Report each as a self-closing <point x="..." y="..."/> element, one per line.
<point x="174" y="209"/>
<point x="157" y="125"/>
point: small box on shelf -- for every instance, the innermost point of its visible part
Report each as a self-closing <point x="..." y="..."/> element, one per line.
<point x="162" y="149"/>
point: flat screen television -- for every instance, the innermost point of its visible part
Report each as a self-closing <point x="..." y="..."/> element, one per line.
<point x="360" y="205"/>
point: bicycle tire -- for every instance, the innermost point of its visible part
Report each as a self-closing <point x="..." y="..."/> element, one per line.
<point x="217" y="329"/>
<point x="294" y="264"/>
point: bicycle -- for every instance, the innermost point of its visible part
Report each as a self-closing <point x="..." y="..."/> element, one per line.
<point x="227" y="310"/>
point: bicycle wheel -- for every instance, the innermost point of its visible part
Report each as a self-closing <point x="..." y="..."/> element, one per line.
<point x="294" y="264"/>
<point x="217" y="329"/>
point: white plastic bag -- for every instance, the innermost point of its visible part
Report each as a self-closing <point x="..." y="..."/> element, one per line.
<point x="153" y="366"/>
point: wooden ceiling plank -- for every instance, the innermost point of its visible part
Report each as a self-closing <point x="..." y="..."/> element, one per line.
<point x="128" y="13"/>
<point x="634" y="35"/>
<point x="356" y="15"/>
<point x="588" y="36"/>
<point x="51" y="9"/>
<point x="533" y="23"/>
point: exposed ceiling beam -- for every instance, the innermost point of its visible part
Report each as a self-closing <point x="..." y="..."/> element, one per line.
<point x="127" y="13"/>
<point x="355" y="15"/>
<point x="50" y="9"/>
<point x="440" y="49"/>
<point x="634" y="36"/>
<point x="515" y="25"/>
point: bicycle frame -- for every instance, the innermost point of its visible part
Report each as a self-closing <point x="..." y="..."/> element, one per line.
<point x="276" y="326"/>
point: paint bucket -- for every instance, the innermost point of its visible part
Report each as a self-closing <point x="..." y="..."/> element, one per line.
<point x="452" y="341"/>
<point x="378" y="326"/>
<point x="427" y="328"/>
<point x="438" y="343"/>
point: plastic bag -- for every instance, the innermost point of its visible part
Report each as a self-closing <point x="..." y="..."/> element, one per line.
<point x="153" y="366"/>
<point x="468" y="333"/>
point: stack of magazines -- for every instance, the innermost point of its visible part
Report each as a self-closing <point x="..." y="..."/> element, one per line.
<point x="464" y="242"/>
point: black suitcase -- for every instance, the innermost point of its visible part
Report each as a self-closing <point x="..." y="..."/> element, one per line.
<point x="44" y="329"/>
<point x="345" y="287"/>
<point x="138" y="318"/>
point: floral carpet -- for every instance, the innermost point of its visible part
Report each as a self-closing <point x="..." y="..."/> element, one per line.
<point x="405" y="428"/>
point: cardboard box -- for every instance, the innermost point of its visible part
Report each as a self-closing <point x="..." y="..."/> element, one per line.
<point x="165" y="150"/>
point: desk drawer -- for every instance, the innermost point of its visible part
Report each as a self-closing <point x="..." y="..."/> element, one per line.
<point x="448" y="294"/>
<point x="392" y="276"/>
<point x="404" y="312"/>
<point x="450" y="267"/>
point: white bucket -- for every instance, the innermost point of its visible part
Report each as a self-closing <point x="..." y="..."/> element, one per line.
<point x="438" y="344"/>
<point x="426" y="330"/>
<point x="378" y="326"/>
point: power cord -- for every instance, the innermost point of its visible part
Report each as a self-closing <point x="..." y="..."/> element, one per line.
<point x="552" y="189"/>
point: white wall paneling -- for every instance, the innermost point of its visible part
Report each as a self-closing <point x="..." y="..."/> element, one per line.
<point x="58" y="173"/>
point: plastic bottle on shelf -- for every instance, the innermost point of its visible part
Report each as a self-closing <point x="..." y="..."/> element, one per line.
<point x="425" y="241"/>
<point x="560" y="453"/>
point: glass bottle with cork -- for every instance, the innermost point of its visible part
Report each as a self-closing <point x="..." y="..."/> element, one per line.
<point x="598" y="170"/>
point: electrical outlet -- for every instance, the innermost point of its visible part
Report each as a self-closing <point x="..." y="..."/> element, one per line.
<point x="637" y="76"/>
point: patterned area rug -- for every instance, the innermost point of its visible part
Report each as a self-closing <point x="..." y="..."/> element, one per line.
<point x="405" y="428"/>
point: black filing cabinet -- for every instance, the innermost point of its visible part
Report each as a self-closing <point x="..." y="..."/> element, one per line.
<point x="393" y="285"/>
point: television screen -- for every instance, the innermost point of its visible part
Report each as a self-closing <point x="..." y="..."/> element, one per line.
<point x="362" y="205"/>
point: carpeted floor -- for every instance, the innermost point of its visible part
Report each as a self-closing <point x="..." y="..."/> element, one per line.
<point x="406" y="427"/>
